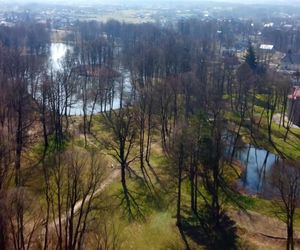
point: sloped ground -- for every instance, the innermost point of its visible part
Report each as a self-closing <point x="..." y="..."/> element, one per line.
<point x="261" y="230"/>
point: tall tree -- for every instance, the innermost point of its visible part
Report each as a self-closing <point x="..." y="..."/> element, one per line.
<point x="250" y="58"/>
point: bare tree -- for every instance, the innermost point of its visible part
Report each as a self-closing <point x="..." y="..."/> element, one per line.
<point x="76" y="180"/>
<point x="285" y="177"/>
<point x="25" y="219"/>
<point x="122" y="126"/>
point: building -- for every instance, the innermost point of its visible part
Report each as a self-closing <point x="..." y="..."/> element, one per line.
<point x="266" y="47"/>
<point x="294" y="107"/>
<point x="265" y="53"/>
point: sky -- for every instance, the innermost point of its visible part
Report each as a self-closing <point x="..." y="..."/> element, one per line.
<point x="284" y="2"/>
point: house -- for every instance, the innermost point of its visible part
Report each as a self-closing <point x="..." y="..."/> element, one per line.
<point x="266" y="47"/>
<point x="294" y="106"/>
<point x="268" y="25"/>
<point x="265" y="53"/>
<point x="291" y="62"/>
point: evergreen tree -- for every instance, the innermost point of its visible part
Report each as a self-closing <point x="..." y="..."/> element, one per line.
<point x="250" y="58"/>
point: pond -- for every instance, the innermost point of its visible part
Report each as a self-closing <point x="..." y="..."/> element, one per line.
<point x="258" y="164"/>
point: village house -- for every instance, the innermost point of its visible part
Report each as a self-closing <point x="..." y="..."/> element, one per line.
<point x="294" y="107"/>
<point x="265" y="53"/>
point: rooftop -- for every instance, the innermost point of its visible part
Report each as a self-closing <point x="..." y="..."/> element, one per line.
<point x="268" y="25"/>
<point x="296" y="94"/>
<point x="266" y="46"/>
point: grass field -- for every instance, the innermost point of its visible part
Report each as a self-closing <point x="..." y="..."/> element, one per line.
<point x="156" y="228"/>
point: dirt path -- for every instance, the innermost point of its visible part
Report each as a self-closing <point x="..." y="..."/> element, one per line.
<point x="110" y="179"/>
<point x="277" y="119"/>
<point x="265" y="232"/>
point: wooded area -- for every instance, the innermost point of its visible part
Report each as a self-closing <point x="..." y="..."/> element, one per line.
<point x="160" y="114"/>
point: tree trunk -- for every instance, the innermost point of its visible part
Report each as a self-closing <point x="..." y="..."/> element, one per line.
<point x="180" y="168"/>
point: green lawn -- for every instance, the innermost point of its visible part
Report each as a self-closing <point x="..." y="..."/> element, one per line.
<point x="157" y="229"/>
<point x="290" y="147"/>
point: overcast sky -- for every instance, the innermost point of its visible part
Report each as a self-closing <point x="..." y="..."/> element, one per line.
<point x="284" y="2"/>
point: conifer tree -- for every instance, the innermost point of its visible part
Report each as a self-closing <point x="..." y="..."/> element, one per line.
<point x="250" y="58"/>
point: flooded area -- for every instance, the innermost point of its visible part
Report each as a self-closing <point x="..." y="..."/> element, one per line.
<point x="57" y="54"/>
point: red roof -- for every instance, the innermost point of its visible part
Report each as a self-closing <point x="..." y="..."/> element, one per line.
<point x="296" y="94"/>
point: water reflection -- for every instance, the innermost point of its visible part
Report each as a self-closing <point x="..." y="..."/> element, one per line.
<point x="112" y="101"/>
<point x="58" y="52"/>
<point x="258" y="163"/>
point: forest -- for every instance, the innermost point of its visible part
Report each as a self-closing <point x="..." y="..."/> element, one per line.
<point x="142" y="136"/>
